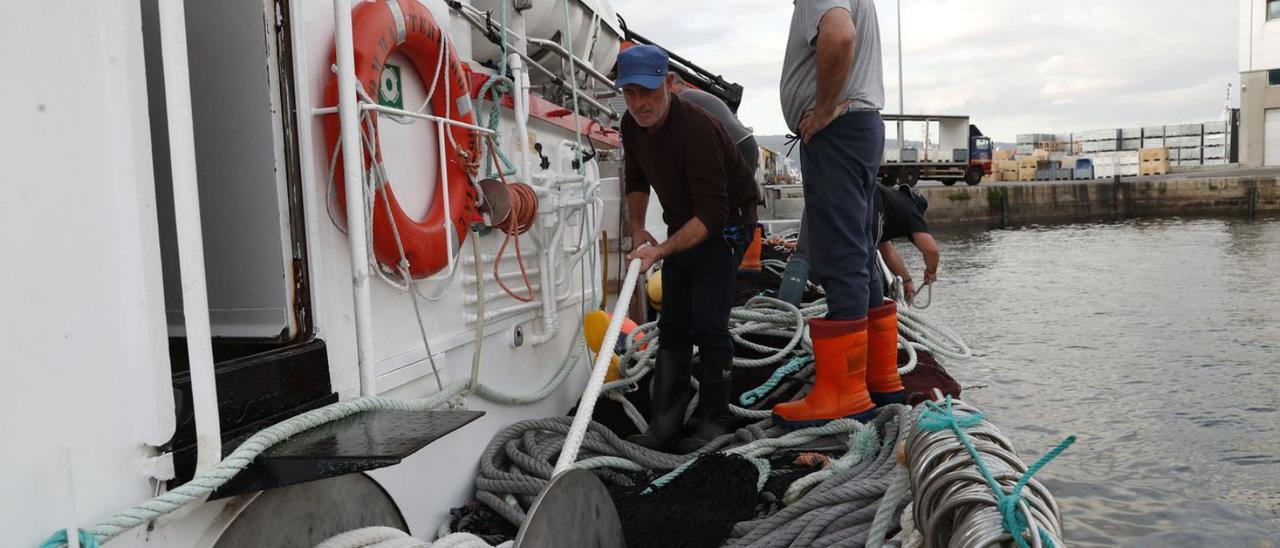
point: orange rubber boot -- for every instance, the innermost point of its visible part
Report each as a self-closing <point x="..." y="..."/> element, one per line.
<point x="839" y="388"/>
<point x="751" y="258"/>
<point x="882" y="356"/>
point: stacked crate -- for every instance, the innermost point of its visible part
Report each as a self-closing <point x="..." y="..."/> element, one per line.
<point x="1108" y="164"/>
<point x="1031" y="142"/>
<point x="1026" y="144"/>
<point x="1184" y="143"/>
<point x="1007" y="169"/>
<point x="1120" y="151"/>
<point x="1131" y="139"/>
<point x="1065" y="143"/>
<point x="1217" y="144"/>
<point x="1069" y="162"/>
<point x="1153" y="137"/>
<point x="1047" y="169"/>
<point x="1104" y="165"/>
<point x="1027" y="168"/>
<point x="1053" y="170"/>
<point x="1099" y="140"/>
<point x="1128" y="163"/>
<point x="1155" y="161"/>
<point x="1083" y="169"/>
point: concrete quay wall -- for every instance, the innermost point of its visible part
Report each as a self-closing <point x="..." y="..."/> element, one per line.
<point x="1094" y="201"/>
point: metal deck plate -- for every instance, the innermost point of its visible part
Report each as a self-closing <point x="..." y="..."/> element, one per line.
<point x="575" y="510"/>
<point x="358" y="443"/>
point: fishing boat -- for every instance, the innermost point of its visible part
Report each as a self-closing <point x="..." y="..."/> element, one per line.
<point x="292" y="274"/>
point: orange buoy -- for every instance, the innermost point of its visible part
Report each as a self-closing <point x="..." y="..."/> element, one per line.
<point x="594" y="325"/>
<point x="751" y="259"/>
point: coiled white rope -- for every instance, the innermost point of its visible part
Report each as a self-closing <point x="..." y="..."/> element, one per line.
<point x="390" y="537"/>
<point x="935" y="337"/>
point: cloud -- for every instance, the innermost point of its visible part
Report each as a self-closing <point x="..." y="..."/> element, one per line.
<point x="1013" y="66"/>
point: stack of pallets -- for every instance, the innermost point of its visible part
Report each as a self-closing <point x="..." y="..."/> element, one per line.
<point x="1154" y="161"/>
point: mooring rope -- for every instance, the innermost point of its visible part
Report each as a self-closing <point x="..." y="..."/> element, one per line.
<point x="839" y="510"/>
<point x="517" y="465"/>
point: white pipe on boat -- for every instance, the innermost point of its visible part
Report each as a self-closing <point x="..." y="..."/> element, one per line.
<point x="73" y="532"/>
<point x="552" y="179"/>
<point x="521" y="103"/>
<point x="486" y="258"/>
<point x="470" y="279"/>
<point x="474" y="298"/>
<point x="589" y="215"/>
<point x="550" y="318"/>
<point x="352" y="160"/>
<point x="471" y="318"/>
<point x="578" y="63"/>
<point x="186" y="212"/>
<point x="586" y="240"/>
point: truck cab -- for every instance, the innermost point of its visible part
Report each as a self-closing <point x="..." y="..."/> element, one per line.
<point x="980" y="156"/>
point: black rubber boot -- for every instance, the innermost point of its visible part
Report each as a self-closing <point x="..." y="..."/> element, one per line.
<point x="712" y="418"/>
<point x="671" y="395"/>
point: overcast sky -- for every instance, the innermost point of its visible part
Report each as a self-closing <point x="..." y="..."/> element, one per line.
<point x="1013" y="66"/>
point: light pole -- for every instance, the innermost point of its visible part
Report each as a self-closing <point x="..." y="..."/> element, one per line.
<point x="902" y="109"/>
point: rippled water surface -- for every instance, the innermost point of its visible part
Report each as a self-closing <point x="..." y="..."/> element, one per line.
<point x="1157" y="343"/>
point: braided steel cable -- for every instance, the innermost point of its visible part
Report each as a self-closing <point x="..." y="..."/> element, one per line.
<point x="953" y="502"/>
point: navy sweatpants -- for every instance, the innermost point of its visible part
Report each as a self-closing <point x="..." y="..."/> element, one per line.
<point x="699" y="286"/>
<point x="839" y="167"/>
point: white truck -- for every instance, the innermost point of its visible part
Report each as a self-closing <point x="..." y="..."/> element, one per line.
<point x="946" y="149"/>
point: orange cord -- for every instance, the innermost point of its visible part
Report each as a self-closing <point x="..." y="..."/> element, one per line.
<point x="524" y="210"/>
<point x="813" y="459"/>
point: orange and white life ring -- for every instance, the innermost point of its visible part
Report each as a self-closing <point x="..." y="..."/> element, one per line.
<point x="381" y="28"/>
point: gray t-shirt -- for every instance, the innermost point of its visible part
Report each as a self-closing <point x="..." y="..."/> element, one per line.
<point x="720" y="111"/>
<point x="799" y="87"/>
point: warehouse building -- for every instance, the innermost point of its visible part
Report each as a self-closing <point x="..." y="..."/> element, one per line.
<point x="1260" y="82"/>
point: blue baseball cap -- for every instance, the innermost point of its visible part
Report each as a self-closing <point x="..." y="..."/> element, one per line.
<point x="643" y="65"/>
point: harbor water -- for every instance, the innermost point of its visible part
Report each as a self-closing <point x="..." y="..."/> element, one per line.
<point x="1157" y="343"/>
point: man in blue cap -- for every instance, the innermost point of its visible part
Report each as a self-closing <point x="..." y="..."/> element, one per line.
<point x="708" y="199"/>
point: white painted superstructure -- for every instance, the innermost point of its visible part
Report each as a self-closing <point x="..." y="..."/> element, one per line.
<point x="91" y="293"/>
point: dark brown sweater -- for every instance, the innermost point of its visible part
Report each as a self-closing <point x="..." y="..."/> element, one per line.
<point x="693" y="166"/>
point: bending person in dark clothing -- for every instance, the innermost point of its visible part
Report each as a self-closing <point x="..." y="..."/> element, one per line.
<point x="709" y="206"/>
<point x="901" y="215"/>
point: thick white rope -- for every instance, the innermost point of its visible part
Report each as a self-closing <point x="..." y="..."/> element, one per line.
<point x="390" y="537"/>
<point x="937" y="338"/>
<point x="368" y="537"/>
<point x="582" y="420"/>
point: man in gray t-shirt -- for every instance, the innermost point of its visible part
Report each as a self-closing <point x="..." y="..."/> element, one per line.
<point x="740" y="134"/>
<point x="864" y="88"/>
<point x="832" y="91"/>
